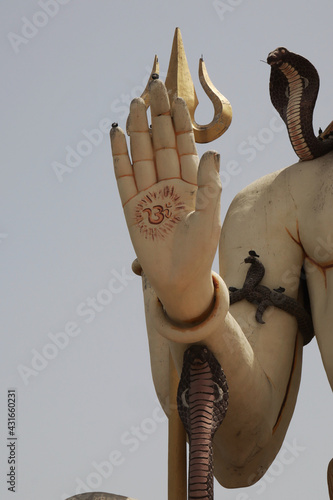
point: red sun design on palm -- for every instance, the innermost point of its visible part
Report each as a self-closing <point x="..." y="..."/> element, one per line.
<point x="158" y="212"/>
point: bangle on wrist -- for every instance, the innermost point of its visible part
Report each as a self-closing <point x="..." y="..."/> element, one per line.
<point x="199" y="329"/>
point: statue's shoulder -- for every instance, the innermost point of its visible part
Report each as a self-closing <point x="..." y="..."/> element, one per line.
<point x="283" y="188"/>
<point x="260" y="195"/>
<point x="313" y="170"/>
<point x="310" y="184"/>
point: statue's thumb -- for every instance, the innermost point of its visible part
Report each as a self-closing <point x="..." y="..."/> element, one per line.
<point x="209" y="182"/>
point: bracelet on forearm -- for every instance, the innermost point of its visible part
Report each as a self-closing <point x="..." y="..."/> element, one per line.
<point x="194" y="332"/>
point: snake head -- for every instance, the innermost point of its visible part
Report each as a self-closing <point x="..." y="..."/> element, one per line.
<point x="253" y="256"/>
<point x="277" y="56"/>
<point x="203" y="388"/>
<point x="196" y="354"/>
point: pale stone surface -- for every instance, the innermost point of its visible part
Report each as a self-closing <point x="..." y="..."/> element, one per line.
<point x="99" y="496"/>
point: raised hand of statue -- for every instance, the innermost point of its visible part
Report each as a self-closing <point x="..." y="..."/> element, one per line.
<point x="171" y="203"/>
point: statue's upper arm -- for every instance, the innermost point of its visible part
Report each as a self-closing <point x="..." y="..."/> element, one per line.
<point x="262" y="217"/>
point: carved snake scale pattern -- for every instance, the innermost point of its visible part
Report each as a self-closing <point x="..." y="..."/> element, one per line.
<point x="202" y="401"/>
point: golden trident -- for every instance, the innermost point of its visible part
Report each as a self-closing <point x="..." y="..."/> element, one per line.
<point x="179" y="84"/>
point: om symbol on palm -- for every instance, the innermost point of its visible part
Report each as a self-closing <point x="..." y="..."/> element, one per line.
<point x="158" y="212"/>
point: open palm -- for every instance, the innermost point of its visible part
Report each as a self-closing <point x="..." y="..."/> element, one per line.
<point x="172" y="207"/>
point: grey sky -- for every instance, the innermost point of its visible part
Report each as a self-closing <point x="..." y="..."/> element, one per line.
<point x="87" y="412"/>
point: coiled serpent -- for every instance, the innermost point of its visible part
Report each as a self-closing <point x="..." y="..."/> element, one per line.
<point x="294" y="86"/>
<point x="263" y="297"/>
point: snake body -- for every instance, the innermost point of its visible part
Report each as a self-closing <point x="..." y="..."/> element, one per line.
<point x="263" y="297"/>
<point x="330" y="479"/>
<point x="294" y="85"/>
<point x="202" y="404"/>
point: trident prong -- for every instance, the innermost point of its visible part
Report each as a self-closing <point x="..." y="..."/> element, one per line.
<point x="145" y="94"/>
<point x="222" y="110"/>
<point x="154" y="71"/>
<point x="180" y="84"/>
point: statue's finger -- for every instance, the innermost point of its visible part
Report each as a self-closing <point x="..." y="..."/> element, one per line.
<point x="122" y="165"/>
<point x="209" y="183"/>
<point x="164" y="140"/>
<point x="187" y="150"/>
<point x="141" y="146"/>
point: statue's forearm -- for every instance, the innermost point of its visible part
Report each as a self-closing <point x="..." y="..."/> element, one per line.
<point x="188" y="307"/>
<point x="219" y="331"/>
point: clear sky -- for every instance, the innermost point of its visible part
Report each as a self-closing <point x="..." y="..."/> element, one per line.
<point x="87" y="415"/>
